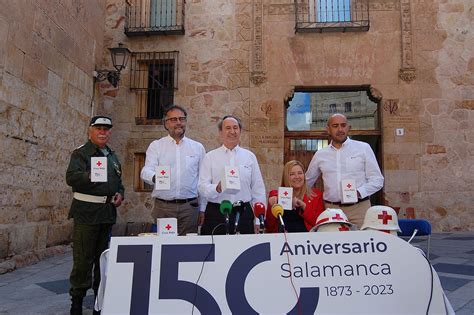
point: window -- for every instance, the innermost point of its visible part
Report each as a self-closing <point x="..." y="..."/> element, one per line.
<point x="162" y="13"/>
<point x="154" y="17"/>
<point x="347" y="107"/>
<point x="154" y="79"/>
<point x="138" y="184"/>
<point x="331" y="10"/>
<point x="332" y="15"/>
<point x="355" y="104"/>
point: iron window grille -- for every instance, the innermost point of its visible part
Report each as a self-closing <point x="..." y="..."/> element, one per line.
<point x="154" y="77"/>
<point x="332" y="15"/>
<point x="147" y="17"/>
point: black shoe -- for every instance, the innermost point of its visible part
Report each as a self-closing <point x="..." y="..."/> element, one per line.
<point x="76" y="305"/>
<point x="94" y="312"/>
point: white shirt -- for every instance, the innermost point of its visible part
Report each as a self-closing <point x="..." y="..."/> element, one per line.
<point x="354" y="160"/>
<point x="252" y="188"/>
<point x="183" y="158"/>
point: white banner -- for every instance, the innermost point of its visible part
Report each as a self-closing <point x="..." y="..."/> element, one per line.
<point x="331" y="273"/>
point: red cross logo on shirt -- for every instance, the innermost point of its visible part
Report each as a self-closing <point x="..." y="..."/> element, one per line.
<point x="285" y="193"/>
<point x="163" y="172"/>
<point x="168" y="227"/>
<point x="384" y="217"/>
<point x="99" y="163"/>
<point x="349" y="185"/>
<point x="232" y="172"/>
<point x="337" y="217"/>
<point x="344" y="228"/>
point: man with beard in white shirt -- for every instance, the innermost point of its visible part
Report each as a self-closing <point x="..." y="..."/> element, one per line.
<point x="252" y="188"/>
<point x="182" y="156"/>
<point x="345" y="159"/>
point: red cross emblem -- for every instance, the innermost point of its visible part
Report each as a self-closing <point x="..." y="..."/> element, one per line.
<point x="337" y="217"/>
<point x="232" y="172"/>
<point x="344" y="228"/>
<point x="168" y="227"/>
<point x="384" y="217"/>
<point x="349" y="185"/>
<point x="285" y="193"/>
<point x="163" y="172"/>
<point x="99" y="164"/>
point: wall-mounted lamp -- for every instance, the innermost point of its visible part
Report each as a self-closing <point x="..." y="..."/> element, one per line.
<point x="119" y="57"/>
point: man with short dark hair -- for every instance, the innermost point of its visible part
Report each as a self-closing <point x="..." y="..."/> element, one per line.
<point x="345" y="159"/>
<point x="182" y="156"/>
<point x="95" y="175"/>
<point x="252" y="188"/>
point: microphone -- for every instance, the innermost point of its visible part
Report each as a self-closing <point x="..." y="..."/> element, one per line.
<point x="238" y="208"/>
<point x="259" y="211"/>
<point x="226" y="208"/>
<point x="277" y="211"/>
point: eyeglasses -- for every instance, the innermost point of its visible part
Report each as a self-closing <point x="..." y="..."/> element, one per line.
<point x="175" y="119"/>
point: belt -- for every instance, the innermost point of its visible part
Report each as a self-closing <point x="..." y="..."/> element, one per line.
<point x="346" y="204"/>
<point x="177" y="200"/>
<point x="92" y="198"/>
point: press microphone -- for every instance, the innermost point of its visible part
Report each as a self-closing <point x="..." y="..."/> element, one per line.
<point x="259" y="211"/>
<point x="226" y="208"/>
<point x="238" y="208"/>
<point x="277" y="211"/>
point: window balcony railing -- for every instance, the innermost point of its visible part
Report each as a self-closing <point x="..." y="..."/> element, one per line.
<point x="332" y="15"/>
<point x="148" y="17"/>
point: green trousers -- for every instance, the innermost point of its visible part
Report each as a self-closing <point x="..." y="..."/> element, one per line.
<point x="89" y="241"/>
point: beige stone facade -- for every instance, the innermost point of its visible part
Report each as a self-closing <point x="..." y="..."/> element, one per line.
<point x="239" y="57"/>
<point x="48" y="50"/>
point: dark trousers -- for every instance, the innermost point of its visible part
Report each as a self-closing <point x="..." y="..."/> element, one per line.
<point x="185" y="213"/>
<point x="293" y="221"/>
<point x="214" y="221"/>
<point x="89" y="241"/>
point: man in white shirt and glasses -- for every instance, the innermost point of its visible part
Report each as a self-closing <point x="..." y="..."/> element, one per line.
<point x="252" y="188"/>
<point x="345" y="159"/>
<point x="177" y="157"/>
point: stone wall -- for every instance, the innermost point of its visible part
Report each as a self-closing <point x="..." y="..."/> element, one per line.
<point x="48" y="50"/>
<point x="244" y="57"/>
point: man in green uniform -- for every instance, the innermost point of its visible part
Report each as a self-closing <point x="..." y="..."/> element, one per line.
<point x="94" y="173"/>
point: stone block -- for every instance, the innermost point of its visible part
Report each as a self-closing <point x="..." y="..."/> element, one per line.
<point x="4" y="28"/>
<point x="38" y="214"/>
<point x="4" y="241"/>
<point x="59" y="233"/>
<point x="7" y="266"/>
<point x="435" y="149"/>
<point x="14" y="60"/>
<point x="396" y="180"/>
<point x="12" y="215"/>
<point x="35" y="74"/>
<point x="28" y="237"/>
